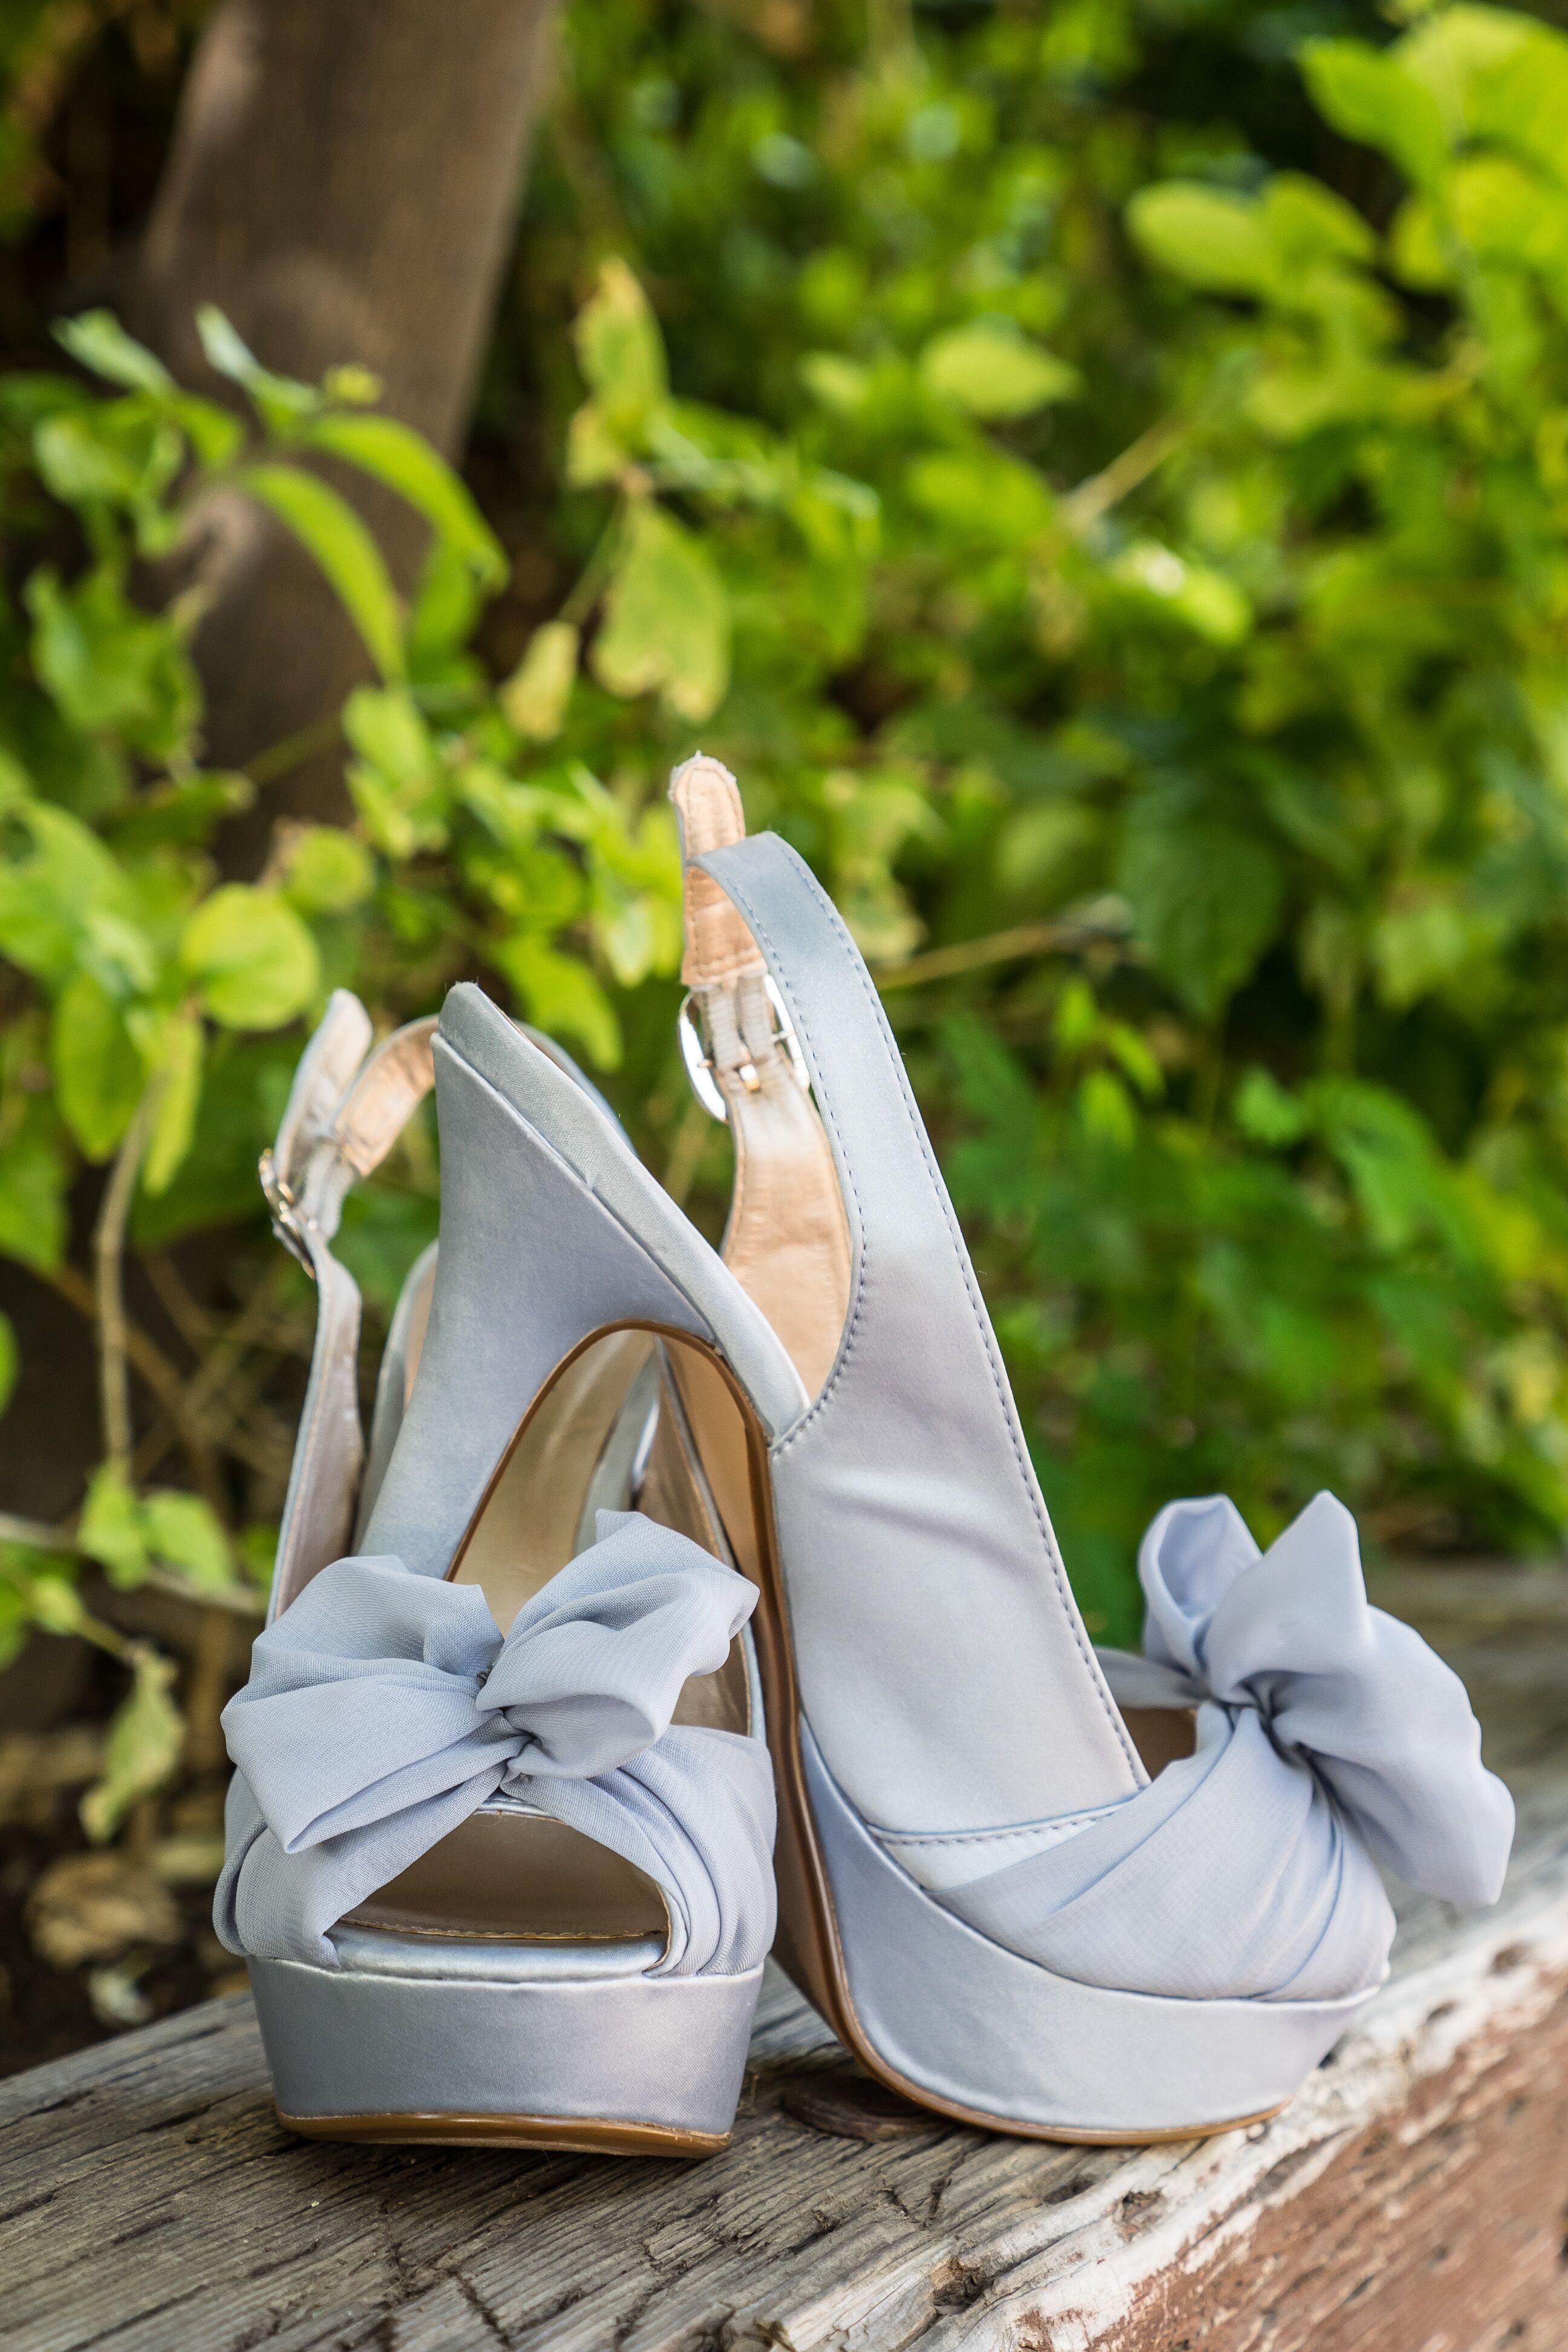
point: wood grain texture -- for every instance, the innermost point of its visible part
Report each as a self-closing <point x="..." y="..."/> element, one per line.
<point x="1410" y="2200"/>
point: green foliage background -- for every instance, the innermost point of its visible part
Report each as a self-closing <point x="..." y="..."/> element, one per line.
<point x="1100" y="475"/>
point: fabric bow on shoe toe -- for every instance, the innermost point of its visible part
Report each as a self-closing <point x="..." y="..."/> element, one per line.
<point x="1328" y="1734"/>
<point x="383" y="1709"/>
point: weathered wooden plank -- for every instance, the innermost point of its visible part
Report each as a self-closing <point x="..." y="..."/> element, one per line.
<point x="1410" y="2200"/>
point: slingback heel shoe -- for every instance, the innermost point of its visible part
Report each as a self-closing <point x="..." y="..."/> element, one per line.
<point x="500" y="1825"/>
<point x="1002" y="1909"/>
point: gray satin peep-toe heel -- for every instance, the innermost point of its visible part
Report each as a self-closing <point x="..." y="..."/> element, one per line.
<point x="1066" y="1894"/>
<point x="499" y="1831"/>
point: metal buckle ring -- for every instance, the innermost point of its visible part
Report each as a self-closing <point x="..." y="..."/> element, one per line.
<point x="287" y="1222"/>
<point x="699" y="1062"/>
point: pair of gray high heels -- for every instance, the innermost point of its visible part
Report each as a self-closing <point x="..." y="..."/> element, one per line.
<point x="651" y="1546"/>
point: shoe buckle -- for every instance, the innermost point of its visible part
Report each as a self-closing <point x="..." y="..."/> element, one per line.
<point x="699" y="1061"/>
<point x="287" y="1222"/>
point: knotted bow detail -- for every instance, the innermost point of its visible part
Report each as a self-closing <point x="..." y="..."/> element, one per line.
<point x="383" y="1709"/>
<point x="1328" y="1734"/>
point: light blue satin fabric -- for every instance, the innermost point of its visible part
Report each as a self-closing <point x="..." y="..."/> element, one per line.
<point x="383" y="1709"/>
<point x="1328" y="1733"/>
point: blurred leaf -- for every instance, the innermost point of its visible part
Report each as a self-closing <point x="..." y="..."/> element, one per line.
<point x="1204" y="235"/>
<point x="667" y="619"/>
<point x="1205" y="893"/>
<point x="251" y="958"/>
<point x="982" y="495"/>
<point x="1264" y="1111"/>
<point x="328" y="871"/>
<point x="179" y="1064"/>
<point x="98" y="1075"/>
<point x="1106" y="1109"/>
<point x="107" y="666"/>
<point x="180" y="1530"/>
<point x="534" y="697"/>
<point x="97" y="341"/>
<point x="1201" y="599"/>
<point x="278" y="400"/>
<point x="1367" y="94"/>
<point x="394" y="453"/>
<point x="329" y="528"/>
<point x="993" y="371"/>
<point x="31" y="1201"/>
<point x="111" y="1531"/>
<point x="8" y="1360"/>
<point x="54" y="1605"/>
<point x="620" y="350"/>
<point x="145" y="1738"/>
<point x="46" y="890"/>
<point x="396" y="782"/>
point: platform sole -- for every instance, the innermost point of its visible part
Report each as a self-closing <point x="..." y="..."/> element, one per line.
<point x="577" y="2135"/>
<point x="636" y="2065"/>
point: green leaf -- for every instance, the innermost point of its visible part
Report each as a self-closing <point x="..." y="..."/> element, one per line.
<point x="1201" y="599"/>
<point x="97" y="341"/>
<point x="667" y="619"/>
<point x="180" y="1054"/>
<point x="84" y="463"/>
<point x="1137" y="1058"/>
<point x="1505" y="210"/>
<point x="1206" y="236"/>
<point x="279" y="401"/>
<point x="394" y="453"/>
<point x="252" y="959"/>
<point x="1206" y="895"/>
<point x="181" y="1530"/>
<point x="46" y="893"/>
<point x="110" y="1529"/>
<point x="1266" y="1113"/>
<point x="216" y="436"/>
<point x="982" y="496"/>
<point x="561" y="994"/>
<point x="534" y="697"/>
<point x="1386" y="1150"/>
<point x="54" y="1605"/>
<point x="110" y="668"/>
<point x="620" y="349"/>
<point x="993" y="371"/>
<point x="446" y="600"/>
<point x="98" y="1075"/>
<point x="144" y="1744"/>
<point x="327" y="870"/>
<point x="1368" y="95"/>
<point x="33" y="1222"/>
<point x="1307" y="224"/>
<point x="1520" y="96"/>
<point x="594" y="453"/>
<point x="343" y="548"/>
<point x="8" y="1360"/>
<point x="1106" y="1109"/>
<point x="397" y="784"/>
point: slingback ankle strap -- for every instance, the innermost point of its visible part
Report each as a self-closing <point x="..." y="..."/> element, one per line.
<point x="787" y="1239"/>
<point x="346" y="1109"/>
